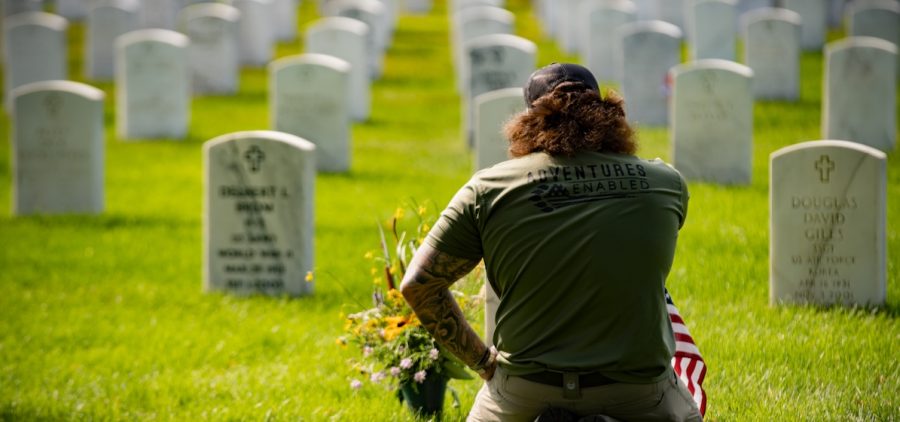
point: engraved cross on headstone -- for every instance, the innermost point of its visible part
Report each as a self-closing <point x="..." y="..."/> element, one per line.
<point x="824" y="165"/>
<point x="254" y="157"/>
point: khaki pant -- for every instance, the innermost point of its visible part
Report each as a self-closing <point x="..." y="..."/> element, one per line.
<point x="509" y="398"/>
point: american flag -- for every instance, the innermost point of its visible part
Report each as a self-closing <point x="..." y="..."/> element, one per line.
<point x="688" y="364"/>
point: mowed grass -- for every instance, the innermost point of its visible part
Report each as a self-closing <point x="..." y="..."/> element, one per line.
<point x="103" y="317"/>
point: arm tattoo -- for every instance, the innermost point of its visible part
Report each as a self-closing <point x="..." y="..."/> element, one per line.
<point x="426" y="288"/>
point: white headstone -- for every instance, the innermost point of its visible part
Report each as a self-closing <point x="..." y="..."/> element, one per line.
<point x="58" y="144"/>
<point x="495" y="62"/>
<point x="14" y="7"/>
<point x="875" y="18"/>
<point x="599" y="45"/>
<point x="418" y="7"/>
<point x="72" y="9"/>
<point x="286" y="19"/>
<point x="345" y="38"/>
<point x="213" y="51"/>
<point x="828" y="207"/>
<point x="474" y="22"/>
<point x="308" y="98"/>
<point x="152" y="84"/>
<point x="256" y="33"/>
<point x="672" y="11"/>
<point x="106" y="21"/>
<point x="492" y="110"/>
<point x="373" y="14"/>
<point x="814" y="17"/>
<point x="772" y="50"/>
<point x="34" y="50"/>
<point x="649" y="49"/>
<point x="258" y="213"/>
<point x="159" y="14"/>
<point x="646" y="9"/>
<point x="744" y="6"/>
<point x="711" y="122"/>
<point x="715" y="30"/>
<point x="567" y="32"/>
<point x="859" y="102"/>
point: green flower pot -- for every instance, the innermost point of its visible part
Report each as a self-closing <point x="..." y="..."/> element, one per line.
<point x="425" y="399"/>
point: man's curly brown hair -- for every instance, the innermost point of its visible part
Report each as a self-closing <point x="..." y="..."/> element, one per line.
<point x="569" y="119"/>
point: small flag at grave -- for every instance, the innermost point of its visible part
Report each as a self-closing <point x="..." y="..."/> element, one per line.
<point x="688" y="363"/>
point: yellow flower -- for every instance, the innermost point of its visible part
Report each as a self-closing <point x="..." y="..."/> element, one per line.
<point x="395" y="296"/>
<point x="368" y="255"/>
<point x="340" y="341"/>
<point x="398" y="214"/>
<point x="374" y="270"/>
<point x="309" y="276"/>
<point x="425" y="227"/>
<point x="396" y="325"/>
<point x="376" y="281"/>
<point x="422" y="210"/>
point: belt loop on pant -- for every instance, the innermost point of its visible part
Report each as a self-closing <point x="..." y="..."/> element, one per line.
<point x="571" y="386"/>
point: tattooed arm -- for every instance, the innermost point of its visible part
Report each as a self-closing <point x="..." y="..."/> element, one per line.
<point x="426" y="288"/>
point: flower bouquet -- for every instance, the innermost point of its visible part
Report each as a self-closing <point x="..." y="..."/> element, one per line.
<point x="395" y="350"/>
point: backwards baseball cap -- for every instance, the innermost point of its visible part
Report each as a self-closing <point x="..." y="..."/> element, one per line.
<point x="548" y="77"/>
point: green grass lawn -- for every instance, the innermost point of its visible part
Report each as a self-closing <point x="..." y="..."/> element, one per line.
<point x="103" y="317"/>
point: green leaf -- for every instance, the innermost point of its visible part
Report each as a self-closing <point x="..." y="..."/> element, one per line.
<point x="455" y="369"/>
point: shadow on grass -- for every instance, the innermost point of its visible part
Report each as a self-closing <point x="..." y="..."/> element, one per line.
<point x="102" y="221"/>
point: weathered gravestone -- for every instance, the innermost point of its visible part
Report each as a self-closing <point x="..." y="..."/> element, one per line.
<point x="860" y="81"/>
<point x="828" y="202"/>
<point x="213" y="51"/>
<point x="34" y="49"/>
<point x="72" y="9"/>
<point x="258" y="213"/>
<point x="875" y="18"/>
<point x="374" y="15"/>
<point x="495" y="62"/>
<point x="58" y="148"/>
<point x="285" y="19"/>
<point x="599" y="45"/>
<point x="159" y="14"/>
<point x="714" y="30"/>
<point x="106" y="21"/>
<point x="473" y="22"/>
<point x="711" y="122"/>
<point x="492" y="110"/>
<point x="308" y="98"/>
<point x="345" y="38"/>
<point x="772" y="50"/>
<point x="256" y="33"/>
<point x="152" y="84"/>
<point x="648" y="50"/>
<point x="813" y="17"/>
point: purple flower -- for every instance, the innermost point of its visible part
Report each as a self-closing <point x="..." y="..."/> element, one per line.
<point x="356" y="384"/>
<point x="377" y="376"/>
<point x="419" y="377"/>
<point x="395" y="371"/>
<point x="406" y="363"/>
<point x="433" y="354"/>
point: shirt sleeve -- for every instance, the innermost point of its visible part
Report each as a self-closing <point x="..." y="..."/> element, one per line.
<point x="456" y="230"/>
<point x="685" y="198"/>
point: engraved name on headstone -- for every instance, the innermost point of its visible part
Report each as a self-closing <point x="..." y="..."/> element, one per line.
<point x="258" y="213"/>
<point x="827" y="202"/>
<point x="58" y="148"/>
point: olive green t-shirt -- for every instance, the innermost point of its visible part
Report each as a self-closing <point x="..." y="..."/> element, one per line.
<point x="578" y="250"/>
